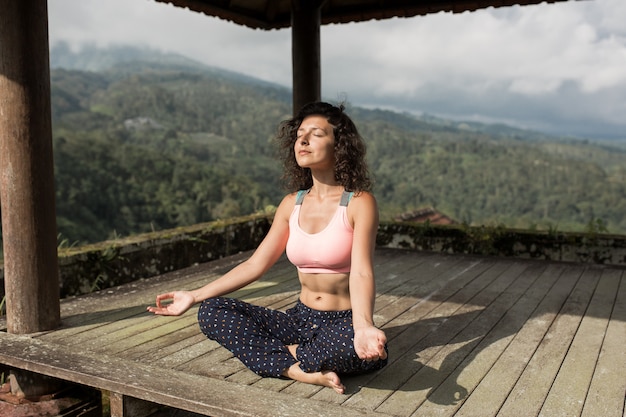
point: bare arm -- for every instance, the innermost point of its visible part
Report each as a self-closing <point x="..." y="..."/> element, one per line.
<point x="266" y="255"/>
<point x="369" y="342"/>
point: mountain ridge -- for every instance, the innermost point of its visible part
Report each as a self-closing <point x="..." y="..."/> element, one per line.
<point x="132" y="59"/>
<point x="140" y="146"/>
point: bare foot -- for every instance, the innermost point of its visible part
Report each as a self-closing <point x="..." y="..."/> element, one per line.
<point x="325" y="378"/>
<point x="332" y="381"/>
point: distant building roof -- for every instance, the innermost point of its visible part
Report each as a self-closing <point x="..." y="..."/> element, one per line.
<point x="428" y="214"/>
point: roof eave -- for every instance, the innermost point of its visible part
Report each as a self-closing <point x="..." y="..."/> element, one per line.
<point x="274" y="16"/>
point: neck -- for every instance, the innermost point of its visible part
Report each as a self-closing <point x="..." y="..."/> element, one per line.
<point x="324" y="182"/>
<point x="323" y="190"/>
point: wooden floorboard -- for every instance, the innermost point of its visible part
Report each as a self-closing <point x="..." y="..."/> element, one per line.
<point x="608" y="384"/>
<point x="468" y="336"/>
<point x="529" y="330"/>
<point x="529" y="393"/>
<point x="569" y="389"/>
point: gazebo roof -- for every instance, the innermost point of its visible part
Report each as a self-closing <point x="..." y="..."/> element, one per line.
<point x="276" y="14"/>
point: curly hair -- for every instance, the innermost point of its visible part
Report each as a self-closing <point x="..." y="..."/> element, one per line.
<point x="350" y="167"/>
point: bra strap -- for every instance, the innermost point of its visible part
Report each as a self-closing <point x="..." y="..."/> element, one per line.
<point x="300" y="196"/>
<point x="346" y="197"/>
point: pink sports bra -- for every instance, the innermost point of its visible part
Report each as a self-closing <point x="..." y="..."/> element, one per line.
<point x="326" y="252"/>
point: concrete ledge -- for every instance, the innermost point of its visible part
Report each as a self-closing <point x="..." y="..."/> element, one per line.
<point x="106" y="264"/>
<point x="593" y="248"/>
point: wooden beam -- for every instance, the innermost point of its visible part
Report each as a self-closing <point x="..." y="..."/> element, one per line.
<point x="130" y="381"/>
<point x="306" y="57"/>
<point x="26" y="169"/>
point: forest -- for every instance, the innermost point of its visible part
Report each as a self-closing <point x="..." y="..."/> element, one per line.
<point x="145" y="145"/>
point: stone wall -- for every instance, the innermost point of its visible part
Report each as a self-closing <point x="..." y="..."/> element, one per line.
<point x="102" y="265"/>
<point x="499" y="241"/>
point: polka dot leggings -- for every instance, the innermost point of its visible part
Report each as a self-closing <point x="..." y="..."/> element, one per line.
<point x="259" y="337"/>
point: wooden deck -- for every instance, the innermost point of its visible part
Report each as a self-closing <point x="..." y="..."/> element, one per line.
<point x="468" y="336"/>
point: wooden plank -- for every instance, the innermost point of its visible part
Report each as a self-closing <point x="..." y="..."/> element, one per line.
<point x="429" y="316"/>
<point x="128" y="328"/>
<point x="463" y="325"/>
<point x="215" y="363"/>
<point x="529" y="393"/>
<point x="150" y="327"/>
<point x="440" y="353"/>
<point x="423" y="297"/>
<point x="260" y="292"/>
<point x="608" y="386"/>
<point x="144" y="331"/>
<point x="569" y="390"/>
<point x="87" y="322"/>
<point x="85" y="314"/>
<point x="189" y="353"/>
<point x="420" y="317"/>
<point x="433" y="328"/>
<point x="492" y="391"/>
<point x="135" y="293"/>
<point x="154" y="384"/>
<point x="417" y="295"/>
<point x="161" y="346"/>
<point x="461" y="370"/>
<point x="445" y="399"/>
<point x="103" y="334"/>
<point x="165" y="347"/>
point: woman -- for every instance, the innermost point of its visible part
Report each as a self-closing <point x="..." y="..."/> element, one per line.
<point x="328" y="230"/>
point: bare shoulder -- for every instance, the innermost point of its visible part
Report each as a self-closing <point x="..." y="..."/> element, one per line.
<point x="286" y="206"/>
<point x="363" y="200"/>
<point x="363" y="209"/>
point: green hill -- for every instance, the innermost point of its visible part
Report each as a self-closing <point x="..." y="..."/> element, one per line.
<point x="154" y="143"/>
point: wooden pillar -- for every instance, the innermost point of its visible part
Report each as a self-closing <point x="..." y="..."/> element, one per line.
<point x="124" y="406"/>
<point x="26" y="169"/>
<point x="305" y="51"/>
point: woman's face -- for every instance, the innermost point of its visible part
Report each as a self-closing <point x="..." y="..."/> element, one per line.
<point x="315" y="143"/>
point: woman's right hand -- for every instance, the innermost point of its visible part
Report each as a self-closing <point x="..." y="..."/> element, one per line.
<point x="181" y="301"/>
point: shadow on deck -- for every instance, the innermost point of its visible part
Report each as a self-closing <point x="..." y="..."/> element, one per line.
<point x="468" y="336"/>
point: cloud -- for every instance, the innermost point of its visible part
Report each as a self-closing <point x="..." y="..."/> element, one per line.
<point x="207" y="39"/>
<point x="556" y="67"/>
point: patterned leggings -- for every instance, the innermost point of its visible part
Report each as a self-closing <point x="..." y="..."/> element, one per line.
<point x="259" y="337"/>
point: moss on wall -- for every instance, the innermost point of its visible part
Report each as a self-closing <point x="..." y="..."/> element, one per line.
<point x="110" y="263"/>
<point x="499" y="241"/>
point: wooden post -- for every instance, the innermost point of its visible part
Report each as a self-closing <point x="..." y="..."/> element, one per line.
<point x="27" y="169"/>
<point x="124" y="406"/>
<point x="305" y="51"/>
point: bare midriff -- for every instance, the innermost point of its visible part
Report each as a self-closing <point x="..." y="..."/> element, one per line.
<point x="325" y="292"/>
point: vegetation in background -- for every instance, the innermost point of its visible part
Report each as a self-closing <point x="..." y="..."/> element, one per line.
<point x="155" y="144"/>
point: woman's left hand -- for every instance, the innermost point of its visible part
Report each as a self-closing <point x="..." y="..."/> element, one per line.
<point x="369" y="343"/>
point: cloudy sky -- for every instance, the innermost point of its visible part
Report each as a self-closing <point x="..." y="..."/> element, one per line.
<point x="557" y="68"/>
